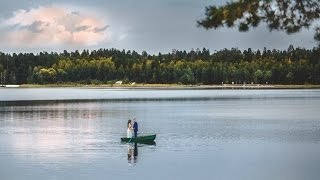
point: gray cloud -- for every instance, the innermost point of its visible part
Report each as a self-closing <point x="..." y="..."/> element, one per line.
<point x="75" y="13"/>
<point x="82" y="28"/>
<point x="36" y="27"/>
<point x="97" y="29"/>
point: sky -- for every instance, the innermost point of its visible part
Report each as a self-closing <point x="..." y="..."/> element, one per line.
<point x="141" y="25"/>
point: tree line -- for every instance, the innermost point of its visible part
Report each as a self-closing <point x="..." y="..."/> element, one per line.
<point x="200" y="66"/>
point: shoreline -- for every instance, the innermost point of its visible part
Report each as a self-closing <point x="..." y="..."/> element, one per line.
<point x="168" y="86"/>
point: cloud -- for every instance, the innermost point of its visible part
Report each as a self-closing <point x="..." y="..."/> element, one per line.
<point x="53" y="26"/>
<point x="100" y="29"/>
<point x="36" y="26"/>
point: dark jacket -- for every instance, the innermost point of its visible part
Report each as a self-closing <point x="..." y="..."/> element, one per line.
<point x="135" y="127"/>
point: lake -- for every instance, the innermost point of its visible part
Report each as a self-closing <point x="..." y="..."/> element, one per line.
<point x="74" y="133"/>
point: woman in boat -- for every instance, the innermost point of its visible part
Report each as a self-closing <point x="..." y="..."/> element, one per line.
<point x="129" y="129"/>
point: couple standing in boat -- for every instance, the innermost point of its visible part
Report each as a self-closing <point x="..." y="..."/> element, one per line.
<point x="132" y="128"/>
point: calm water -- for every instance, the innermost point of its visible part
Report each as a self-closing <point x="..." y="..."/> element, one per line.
<point x="67" y="133"/>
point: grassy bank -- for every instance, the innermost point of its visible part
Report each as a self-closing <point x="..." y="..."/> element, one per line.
<point x="172" y="86"/>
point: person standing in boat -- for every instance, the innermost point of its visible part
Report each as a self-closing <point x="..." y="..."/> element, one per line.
<point x="135" y="127"/>
<point x="129" y="129"/>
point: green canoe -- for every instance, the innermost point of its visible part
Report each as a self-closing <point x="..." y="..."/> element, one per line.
<point x="140" y="139"/>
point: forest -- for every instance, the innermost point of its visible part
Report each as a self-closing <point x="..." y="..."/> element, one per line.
<point x="197" y="66"/>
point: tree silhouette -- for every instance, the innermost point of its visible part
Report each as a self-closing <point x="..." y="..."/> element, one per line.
<point x="285" y="15"/>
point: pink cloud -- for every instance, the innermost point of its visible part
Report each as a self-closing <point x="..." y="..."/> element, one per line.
<point x="53" y="26"/>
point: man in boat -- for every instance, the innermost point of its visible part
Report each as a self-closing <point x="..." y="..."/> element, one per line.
<point x="135" y="127"/>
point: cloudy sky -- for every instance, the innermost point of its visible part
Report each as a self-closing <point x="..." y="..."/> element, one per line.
<point x="151" y="25"/>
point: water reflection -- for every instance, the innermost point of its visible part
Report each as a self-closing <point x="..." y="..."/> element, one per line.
<point x="56" y="132"/>
<point x="132" y="153"/>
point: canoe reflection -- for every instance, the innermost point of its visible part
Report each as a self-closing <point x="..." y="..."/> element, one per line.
<point x="133" y="152"/>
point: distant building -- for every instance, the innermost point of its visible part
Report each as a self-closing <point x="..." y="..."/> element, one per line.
<point x="119" y="82"/>
<point x="12" y="86"/>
